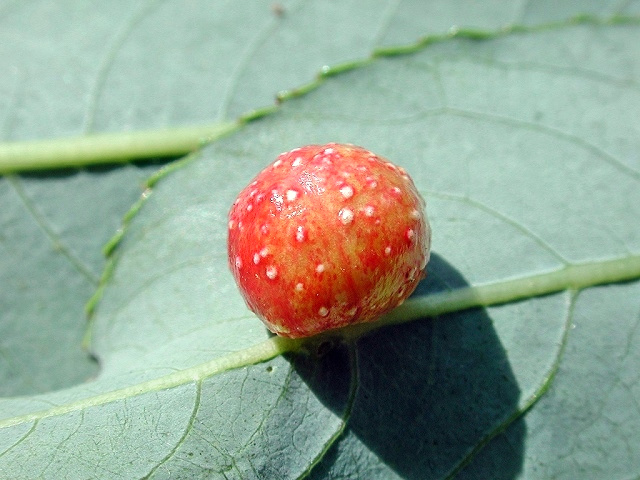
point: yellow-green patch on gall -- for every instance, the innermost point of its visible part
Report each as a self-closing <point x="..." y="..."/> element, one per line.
<point x="326" y="236"/>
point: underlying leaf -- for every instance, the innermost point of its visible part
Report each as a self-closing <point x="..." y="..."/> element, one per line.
<point x="73" y="69"/>
<point x="114" y="66"/>
<point x="585" y="81"/>
<point x="411" y="100"/>
<point x="530" y="178"/>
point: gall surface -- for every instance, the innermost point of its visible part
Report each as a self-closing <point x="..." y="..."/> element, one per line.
<point x="327" y="236"/>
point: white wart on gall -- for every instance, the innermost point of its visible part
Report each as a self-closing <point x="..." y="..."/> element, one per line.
<point x="327" y="236"/>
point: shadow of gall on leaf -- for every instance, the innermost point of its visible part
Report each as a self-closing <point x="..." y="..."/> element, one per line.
<point x="427" y="394"/>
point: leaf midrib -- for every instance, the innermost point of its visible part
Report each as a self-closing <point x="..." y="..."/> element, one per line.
<point x="573" y="277"/>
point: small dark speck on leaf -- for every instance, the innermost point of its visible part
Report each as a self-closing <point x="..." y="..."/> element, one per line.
<point x="277" y="9"/>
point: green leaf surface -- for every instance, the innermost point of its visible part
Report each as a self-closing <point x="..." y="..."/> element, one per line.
<point x="525" y="147"/>
<point x="100" y="67"/>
